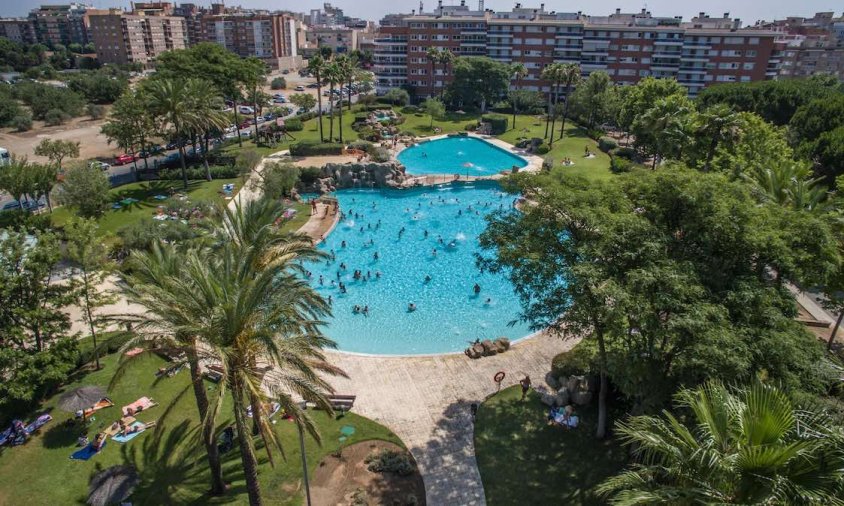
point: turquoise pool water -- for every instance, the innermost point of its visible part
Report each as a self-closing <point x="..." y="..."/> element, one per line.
<point x="448" y="313"/>
<point x="458" y="155"/>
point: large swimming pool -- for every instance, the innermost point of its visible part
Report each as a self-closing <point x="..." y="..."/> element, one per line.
<point x="459" y="155"/>
<point x="384" y="237"/>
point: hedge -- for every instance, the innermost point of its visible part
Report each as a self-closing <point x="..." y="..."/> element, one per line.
<point x="307" y="148"/>
<point x="542" y="149"/>
<point x="497" y="123"/>
<point x="217" y="172"/>
<point x="624" y="152"/>
<point x="619" y="165"/>
<point x="294" y="125"/>
<point x="606" y="144"/>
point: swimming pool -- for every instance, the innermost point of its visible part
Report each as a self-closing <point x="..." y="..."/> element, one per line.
<point x="459" y="155"/>
<point x="448" y="313"/>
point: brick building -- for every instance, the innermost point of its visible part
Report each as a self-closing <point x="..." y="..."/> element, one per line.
<point x="62" y="24"/>
<point x="628" y="47"/>
<point x="271" y="37"/>
<point x="122" y="38"/>
<point x="21" y="30"/>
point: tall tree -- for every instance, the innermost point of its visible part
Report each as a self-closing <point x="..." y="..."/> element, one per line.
<point x="43" y="179"/>
<point x="131" y="125"/>
<point x="550" y="74"/>
<point x="435" y="108"/>
<point x="717" y="124"/>
<point x="665" y="129"/>
<point x="333" y="75"/>
<point x="316" y="65"/>
<point x="57" y="150"/>
<point x="446" y="59"/>
<point x="479" y="81"/>
<point x="749" y="447"/>
<point x="91" y="266"/>
<point x="518" y="71"/>
<point x="594" y="99"/>
<point x="86" y="189"/>
<point x="433" y="56"/>
<point x="570" y="78"/>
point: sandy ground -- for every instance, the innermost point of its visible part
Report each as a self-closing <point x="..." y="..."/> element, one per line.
<point x="86" y="131"/>
<point x="319" y="161"/>
<point x="336" y="479"/>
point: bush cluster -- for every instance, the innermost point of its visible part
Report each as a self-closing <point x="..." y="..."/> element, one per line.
<point x="390" y="461"/>
<point x="606" y="144"/>
<point x="497" y="122"/>
<point x="294" y="124"/>
<point x="217" y="172"/>
<point x="575" y="362"/>
<point x="279" y="83"/>
<point x="308" y="148"/>
<point x="542" y="149"/>
<point x="619" y="165"/>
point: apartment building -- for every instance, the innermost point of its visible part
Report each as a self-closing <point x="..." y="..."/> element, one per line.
<point x="62" y="24"/>
<point x="20" y="30"/>
<point x="628" y="47"/>
<point x="271" y="37"/>
<point x="340" y="39"/>
<point x="122" y="38"/>
<point x="809" y="46"/>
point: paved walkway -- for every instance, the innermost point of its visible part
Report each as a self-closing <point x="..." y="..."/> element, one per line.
<point x="425" y="400"/>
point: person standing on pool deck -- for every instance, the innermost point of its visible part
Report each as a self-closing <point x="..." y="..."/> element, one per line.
<point x="525" y="383"/>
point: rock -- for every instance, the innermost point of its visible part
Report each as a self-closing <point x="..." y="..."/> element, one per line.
<point x="474" y="352"/>
<point x="478" y="349"/>
<point x="505" y="342"/>
<point x="499" y="346"/>
<point x="563" y="396"/>
<point x="552" y="380"/>
<point x="581" y="398"/>
<point x="489" y="348"/>
<point x="548" y="399"/>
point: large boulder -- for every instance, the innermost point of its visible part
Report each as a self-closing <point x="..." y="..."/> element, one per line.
<point x="551" y="380"/>
<point x="563" y="396"/>
<point x="489" y="348"/>
<point x="475" y="351"/>
<point x="548" y="399"/>
<point x="582" y="397"/>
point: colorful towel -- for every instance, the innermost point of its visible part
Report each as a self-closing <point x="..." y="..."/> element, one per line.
<point x="105" y="402"/>
<point x="86" y="453"/>
<point x="139" y="405"/>
<point x="125" y="438"/>
<point x="38" y="423"/>
<point x="134" y="351"/>
<point x="5" y="436"/>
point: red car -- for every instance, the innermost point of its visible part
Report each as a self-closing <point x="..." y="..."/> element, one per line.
<point x="246" y="124"/>
<point x="124" y="159"/>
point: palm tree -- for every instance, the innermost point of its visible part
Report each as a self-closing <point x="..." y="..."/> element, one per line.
<point x="157" y="283"/>
<point x="208" y="115"/>
<point x="518" y="71"/>
<point x="433" y="55"/>
<point x="550" y="73"/>
<point x="446" y="60"/>
<point x="170" y="100"/>
<point x="747" y="447"/>
<point x="570" y="75"/>
<point x="333" y="75"/>
<point x="668" y="123"/>
<point x="788" y="184"/>
<point x="352" y="62"/>
<point x="316" y="65"/>
<point x="262" y="313"/>
<point x="717" y="124"/>
<point x="345" y="73"/>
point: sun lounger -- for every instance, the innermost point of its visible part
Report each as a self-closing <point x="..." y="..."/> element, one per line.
<point x="141" y="404"/>
<point x="214" y="373"/>
<point x="105" y="402"/>
<point x="86" y="453"/>
<point x="38" y="423"/>
<point x="342" y="402"/>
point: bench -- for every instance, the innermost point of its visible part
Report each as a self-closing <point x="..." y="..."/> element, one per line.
<point x="342" y="402"/>
<point x="214" y="373"/>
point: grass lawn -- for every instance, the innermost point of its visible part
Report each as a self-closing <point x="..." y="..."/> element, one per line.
<point x="172" y="469"/>
<point x="144" y="193"/>
<point x="303" y="214"/>
<point x="523" y="460"/>
<point x="572" y="145"/>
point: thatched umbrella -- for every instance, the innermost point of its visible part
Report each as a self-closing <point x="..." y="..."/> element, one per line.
<point x="112" y="485"/>
<point x="81" y="398"/>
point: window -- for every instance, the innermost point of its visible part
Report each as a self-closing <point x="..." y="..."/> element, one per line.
<point x="748" y="66"/>
<point x="750" y="53"/>
<point x="753" y="41"/>
<point x="733" y="40"/>
<point x="726" y="79"/>
<point x="728" y="66"/>
<point x="630" y="47"/>
<point x="731" y="53"/>
<point x="626" y="72"/>
<point x="745" y="79"/>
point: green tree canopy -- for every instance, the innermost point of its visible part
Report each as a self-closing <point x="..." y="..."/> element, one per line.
<point x="478" y="81"/>
<point x="86" y="189"/>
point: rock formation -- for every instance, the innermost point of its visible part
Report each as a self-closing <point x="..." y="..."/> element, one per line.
<point x="336" y="176"/>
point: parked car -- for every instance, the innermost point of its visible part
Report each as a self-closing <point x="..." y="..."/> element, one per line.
<point x="313" y="85"/>
<point x="11" y="205"/>
<point x="269" y="116"/>
<point x="124" y="159"/>
<point x="171" y="145"/>
<point x="231" y="128"/>
<point x="280" y="100"/>
<point x="245" y="109"/>
<point x="299" y="88"/>
<point x="100" y="165"/>
<point x="246" y="124"/>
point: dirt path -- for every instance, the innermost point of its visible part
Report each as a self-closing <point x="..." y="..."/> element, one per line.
<point x="336" y="480"/>
<point x="86" y="131"/>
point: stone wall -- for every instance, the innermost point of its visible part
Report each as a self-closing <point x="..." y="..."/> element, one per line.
<point x="336" y="176"/>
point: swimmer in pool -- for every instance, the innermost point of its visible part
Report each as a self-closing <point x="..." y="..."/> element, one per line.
<point x="488" y="302"/>
<point x="377" y="274"/>
<point x="330" y="300"/>
<point x="477" y="288"/>
<point x="434" y="252"/>
<point x="426" y="234"/>
<point x="411" y="307"/>
<point x="343" y="244"/>
<point x="375" y="256"/>
<point x="320" y="280"/>
<point x="427" y="278"/>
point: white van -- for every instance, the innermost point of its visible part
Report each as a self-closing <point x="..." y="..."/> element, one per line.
<point x="245" y="109"/>
<point x="5" y="158"/>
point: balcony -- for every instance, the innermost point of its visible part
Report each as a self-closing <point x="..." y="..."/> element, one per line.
<point x="668" y="42"/>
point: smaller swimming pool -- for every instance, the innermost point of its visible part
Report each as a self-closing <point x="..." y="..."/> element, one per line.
<point x="459" y="155"/>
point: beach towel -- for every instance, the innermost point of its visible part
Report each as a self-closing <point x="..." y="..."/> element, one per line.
<point x="5" y="436"/>
<point x="134" y="351"/>
<point x="86" y="453"/>
<point x="105" y="402"/>
<point x="139" y="405"/>
<point x="125" y="438"/>
<point x="38" y="423"/>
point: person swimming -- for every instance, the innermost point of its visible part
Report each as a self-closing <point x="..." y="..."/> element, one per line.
<point x="366" y="310"/>
<point x="343" y="265"/>
<point x="375" y="256"/>
<point x="477" y="288"/>
<point x="426" y="234"/>
<point x="330" y="300"/>
<point x="411" y="307"/>
<point x="377" y="274"/>
<point x="320" y="280"/>
<point x="427" y="278"/>
<point x="343" y="244"/>
<point x="434" y="252"/>
<point x="356" y="309"/>
<point x="488" y="301"/>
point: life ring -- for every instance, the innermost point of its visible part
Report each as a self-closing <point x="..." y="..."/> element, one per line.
<point x="499" y="377"/>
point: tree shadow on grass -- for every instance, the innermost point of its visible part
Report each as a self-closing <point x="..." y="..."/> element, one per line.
<point x="173" y="468"/>
<point x="62" y="435"/>
<point x="524" y="460"/>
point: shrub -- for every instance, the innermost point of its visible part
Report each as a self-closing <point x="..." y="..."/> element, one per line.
<point x="308" y="175"/>
<point x="390" y="461"/>
<point x="547" y="163"/>
<point x="22" y="123"/>
<point x="308" y="148"/>
<point x="619" y="164"/>
<point x="575" y="362"/>
<point x="625" y="152"/>
<point x="306" y="116"/>
<point x="470" y="127"/>
<point x="542" y="149"/>
<point x="197" y="173"/>
<point x="55" y="117"/>
<point x="361" y="145"/>
<point x="409" y="109"/>
<point x="594" y="134"/>
<point x="497" y="123"/>
<point x="96" y="111"/>
<point x="294" y="124"/>
<point x="279" y="83"/>
<point x="380" y="155"/>
<point x="606" y="144"/>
